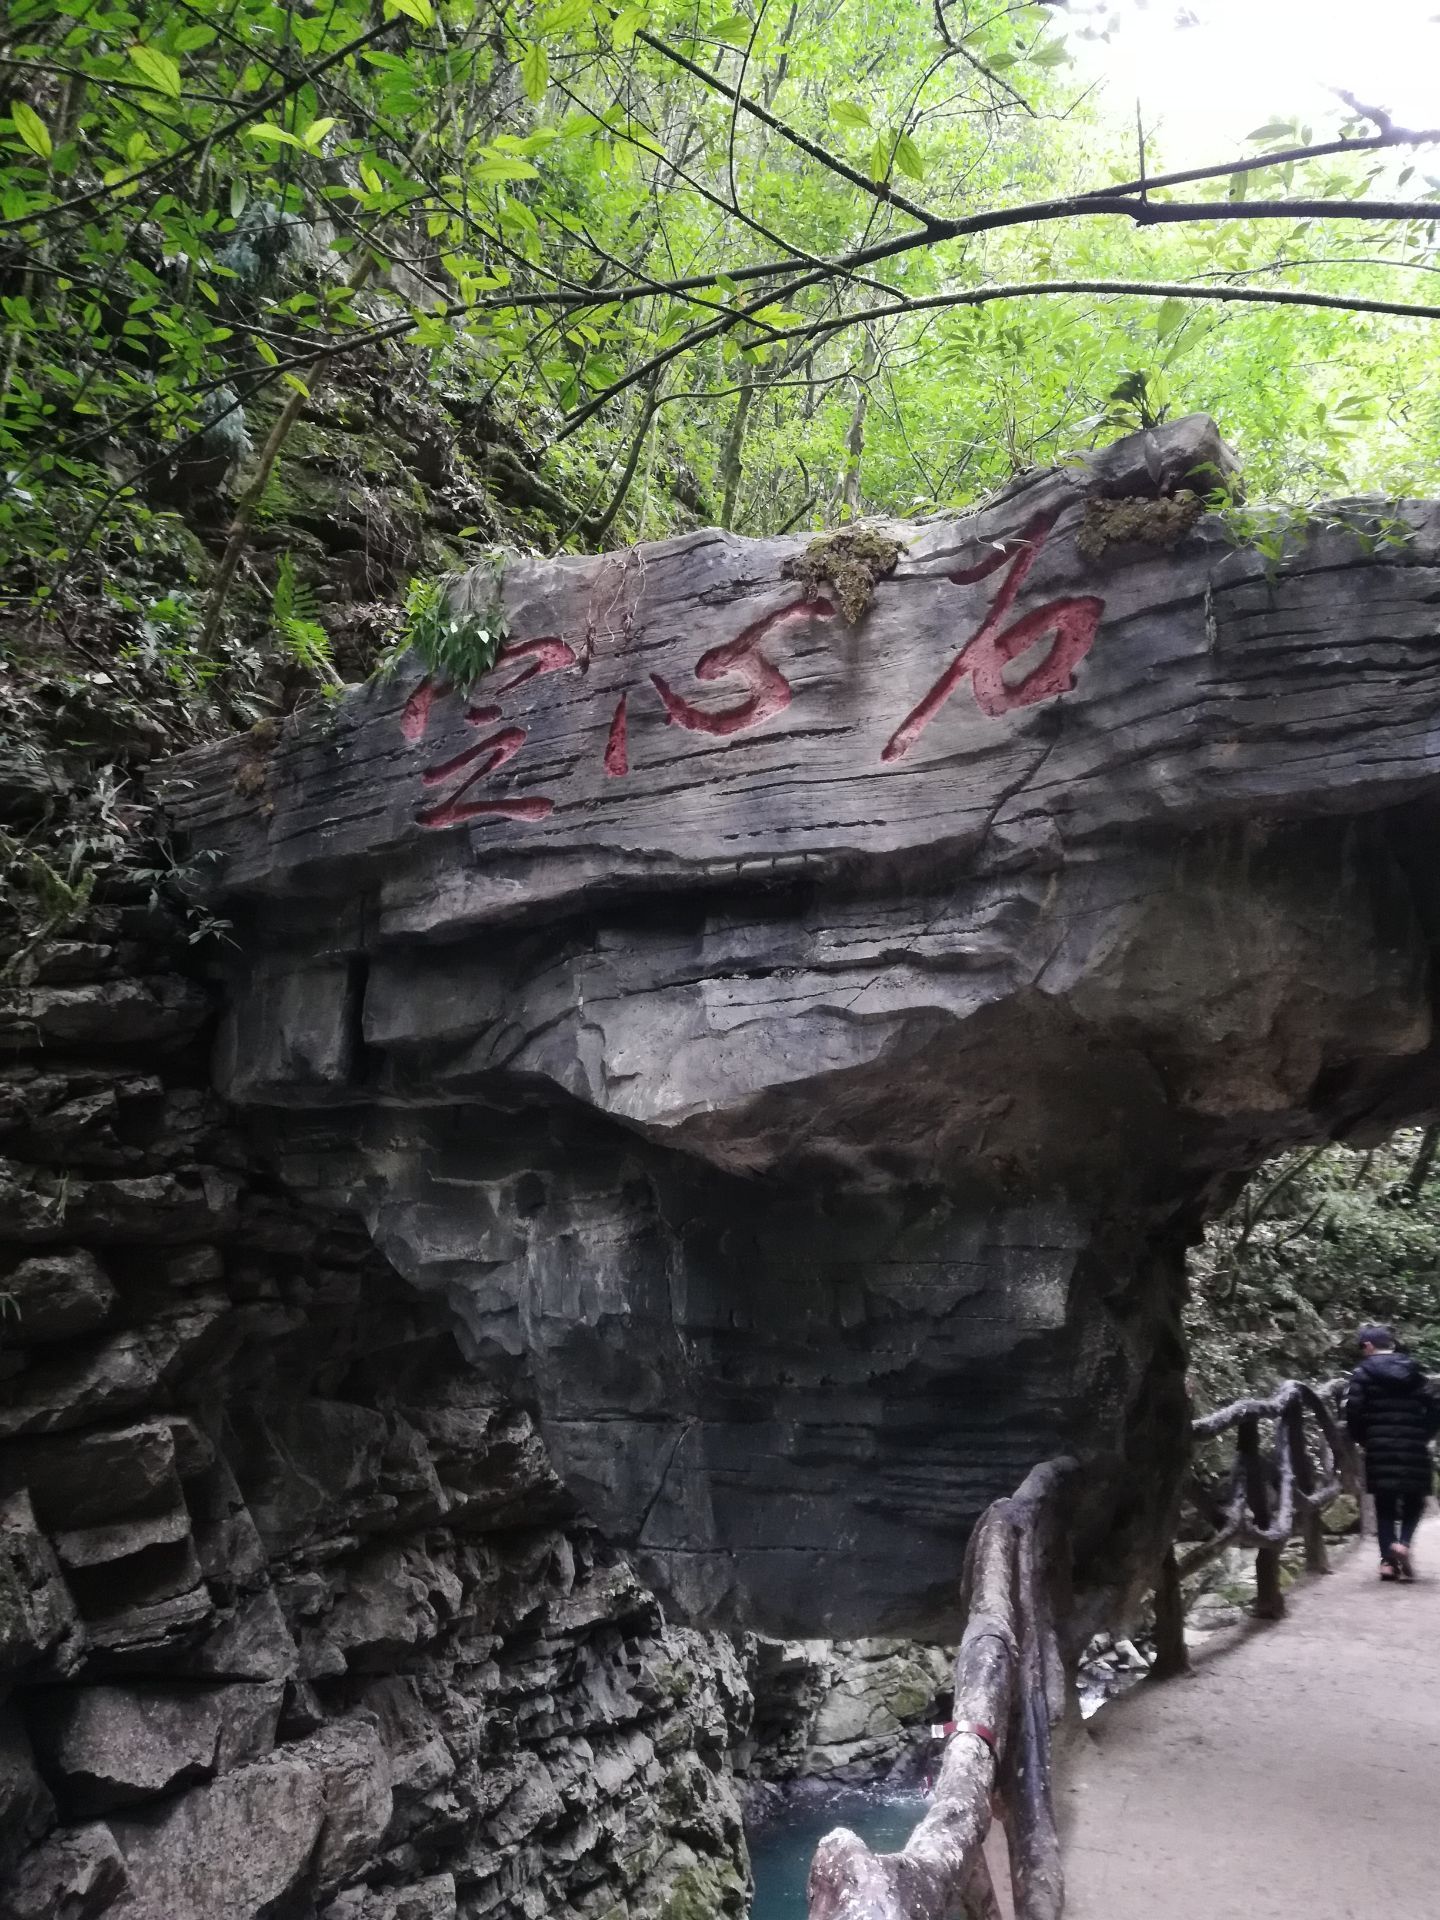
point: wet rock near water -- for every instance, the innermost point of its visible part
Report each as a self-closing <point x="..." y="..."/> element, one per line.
<point x="842" y="1713"/>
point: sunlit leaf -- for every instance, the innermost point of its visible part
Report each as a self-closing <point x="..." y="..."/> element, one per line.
<point x="158" y="68"/>
<point x="735" y="29"/>
<point x="1274" y="130"/>
<point x="504" y="166"/>
<point x="907" y="158"/>
<point x="627" y="24"/>
<point x="535" y="72"/>
<point x="1169" y="317"/>
<point x="849" y="113"/>
<point x="31" y="128"/>
<point x="275" y="136"/>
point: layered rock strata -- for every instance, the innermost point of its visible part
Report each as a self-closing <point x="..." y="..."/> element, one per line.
<point x="295" y="1617"/>
<point x="799" y="1048"/>
<point x="843" y="1713"/>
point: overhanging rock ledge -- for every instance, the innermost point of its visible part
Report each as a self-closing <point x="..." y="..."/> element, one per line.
<point x="801" y="1051"/>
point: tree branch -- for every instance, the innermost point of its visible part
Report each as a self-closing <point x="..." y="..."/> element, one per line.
<point x="223" y="132"/>
<point x="877" y="190"/>
<point x="1023" y="290"/>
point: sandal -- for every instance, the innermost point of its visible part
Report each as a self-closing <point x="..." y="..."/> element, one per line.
<point x="1403" y="1568"/>
<point x="1388" y="1570"/>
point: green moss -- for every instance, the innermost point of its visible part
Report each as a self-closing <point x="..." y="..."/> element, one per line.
<point x="1153" y="523"/>
<point x="850" y="562"/>
<point x="675" y="1682"/>
<point x="704" y="1892"/>
<point x="909" y="1700"/>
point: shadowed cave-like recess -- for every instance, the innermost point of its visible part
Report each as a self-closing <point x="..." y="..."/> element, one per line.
<point x="782" y="1064"/>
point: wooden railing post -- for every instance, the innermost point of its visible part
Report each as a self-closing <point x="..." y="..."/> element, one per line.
<point x="1011" y="1680"/>
<point x="1269" y="1597"/>
<point x="1312" y="1527"/>
<point x="1172" y="1656"/>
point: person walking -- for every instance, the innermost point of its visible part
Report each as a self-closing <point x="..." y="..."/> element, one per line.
<point x="1393" y="1412"/>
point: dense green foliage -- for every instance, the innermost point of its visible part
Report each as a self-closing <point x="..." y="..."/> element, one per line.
<point x="1319" y="1242"/>
<point x="695" y="262"/>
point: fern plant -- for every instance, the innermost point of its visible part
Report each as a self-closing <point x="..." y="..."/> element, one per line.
<point x="295" y="621"/>
<point x="457" y="623"/>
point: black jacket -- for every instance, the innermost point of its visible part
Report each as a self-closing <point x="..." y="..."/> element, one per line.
<point x="1392" y="1411"/>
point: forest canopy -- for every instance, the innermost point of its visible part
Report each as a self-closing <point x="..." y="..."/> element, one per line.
<point x="768" y="266"/>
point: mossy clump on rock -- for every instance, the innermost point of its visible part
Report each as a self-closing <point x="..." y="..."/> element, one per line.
<point x="1153" y="523"/>
<point x="705" y="1890"/>
<point x="850" y="563"/>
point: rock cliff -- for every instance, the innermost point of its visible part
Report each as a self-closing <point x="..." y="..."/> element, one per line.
<point x="796" y="1008"/>
<point x="295" y="1617"/>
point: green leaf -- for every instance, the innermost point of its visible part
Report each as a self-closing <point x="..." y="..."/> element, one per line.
<point x="1170" y="316"/>
<point x="534" y="72"/>
<point x="31" y="128"/>
<point x="1052" y="54"/>
<point x="907" y="158"/>
<point x="880" y="159"/>
<point x="158" y="68"/>
<point x="419" y="11"/>
<point x="735" y="29"/>
<point x="315" y="133"/>
<point x="504" y="166"/>
<point x="848" y="113"/>
<point x="628" y="23"/>
<point x="562" y="19"/>
<point x="276" y="136"/>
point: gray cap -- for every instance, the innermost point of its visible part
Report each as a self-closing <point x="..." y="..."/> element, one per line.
<point x="1381" y="1337"/>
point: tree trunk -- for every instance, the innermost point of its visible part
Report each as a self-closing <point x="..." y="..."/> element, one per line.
<point x="732" y="459"/>
<point x="855" y="439"/>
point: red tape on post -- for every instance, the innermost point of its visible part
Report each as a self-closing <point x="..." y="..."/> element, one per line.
<point x="945" y="1729"/>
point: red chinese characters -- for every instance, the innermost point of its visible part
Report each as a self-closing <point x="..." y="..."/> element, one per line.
<point x="1061" y="633"/>
<point x="770" y="691"/>
<point x="463" y="771"/>
<point x="1073" y="623"/>
<point x="767" y="692"/>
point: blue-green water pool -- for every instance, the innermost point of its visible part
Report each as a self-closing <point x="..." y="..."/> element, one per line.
<point x="781" y="1851"/>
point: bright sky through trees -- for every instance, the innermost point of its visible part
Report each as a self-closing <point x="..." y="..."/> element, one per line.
<point x="1222" y="67"/>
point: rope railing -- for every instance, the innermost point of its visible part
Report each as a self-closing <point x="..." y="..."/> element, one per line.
<point x="1268" y="1488"/>
<point x="1010" y="1690"/>
<point x="1011" y="1681"/>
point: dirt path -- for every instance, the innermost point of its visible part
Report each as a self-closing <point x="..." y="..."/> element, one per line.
<point x="1296" y="1777"/>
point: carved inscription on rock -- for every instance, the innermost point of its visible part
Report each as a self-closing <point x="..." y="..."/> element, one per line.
<point x="457" y="788"/>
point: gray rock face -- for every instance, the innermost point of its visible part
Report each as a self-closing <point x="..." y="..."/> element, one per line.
<point x="296" y="1618"/>
<point x="111" y="1746"/>
<point x="847" y="1712"/>
<point x="798" y="1053"/>
<point x="59" y="1294"/>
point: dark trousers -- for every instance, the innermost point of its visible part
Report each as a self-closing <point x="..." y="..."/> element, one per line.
<point x="1397" y="1515"/>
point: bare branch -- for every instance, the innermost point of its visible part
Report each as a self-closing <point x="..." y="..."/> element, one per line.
<point x="876" y="189"/>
